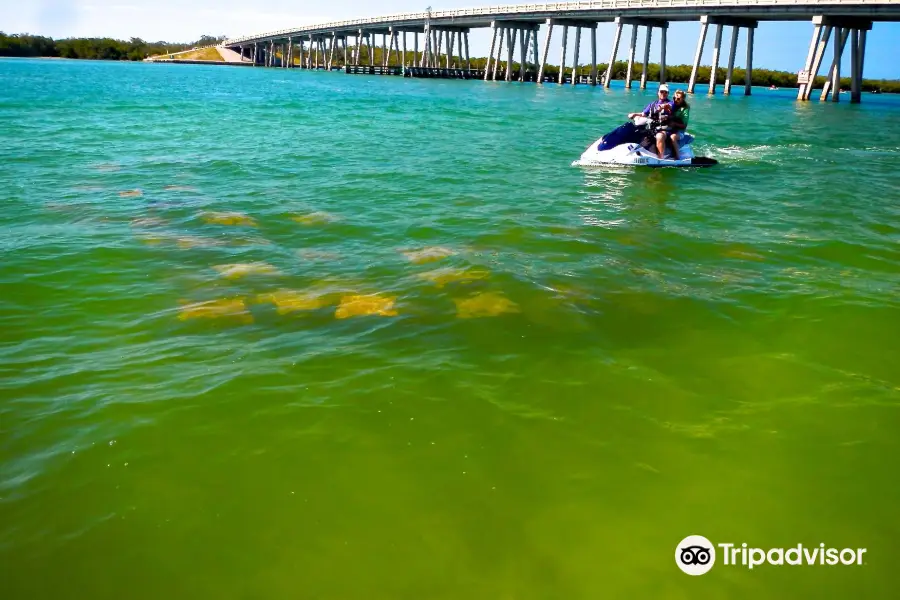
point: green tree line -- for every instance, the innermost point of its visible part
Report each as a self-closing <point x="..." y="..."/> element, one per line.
<point x="92" y="48"/>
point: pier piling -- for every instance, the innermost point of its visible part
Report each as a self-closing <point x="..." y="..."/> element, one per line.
<point x="728" y="75"/>
<point x="631" y="50"/>
<point x="562" y="57"/>
<point x="575" y="55"/>
<point x="717" y="46"/>
<point x="615" y="50"/>
<point x="748" y="70"/>
<point x="648" y="34"/>
<point x="704" y="25"/>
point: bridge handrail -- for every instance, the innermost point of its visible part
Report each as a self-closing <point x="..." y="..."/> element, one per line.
<point x="514" y="9"/>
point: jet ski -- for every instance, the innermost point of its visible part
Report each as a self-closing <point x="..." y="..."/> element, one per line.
<point x="622" y="147"/>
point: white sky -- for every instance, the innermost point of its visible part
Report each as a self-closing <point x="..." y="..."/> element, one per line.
<point x="778" y="45"/>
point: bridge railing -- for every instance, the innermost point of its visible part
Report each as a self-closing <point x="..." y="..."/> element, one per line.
<point x="514" y="9"/>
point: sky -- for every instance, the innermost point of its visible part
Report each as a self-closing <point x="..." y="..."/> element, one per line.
<point x="781" y="46"/>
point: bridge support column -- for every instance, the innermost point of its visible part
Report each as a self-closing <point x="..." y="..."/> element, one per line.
<point x="648" y="34"/>
<point x="487" y="65"/>
<point x="435" y="49"/>
<point x="540" y="76"/>
<point x="833" y="84"/>
<point x="575" y="55"/>
<point x="290" y="53"/>
<point x="331" y="52"/>
<point x="510" y="49"/>
<point x="730" y="72"/>
<point x="697" y="55"/>
<point x="452" y="49"/>
<point x="562" y="57"/>
<point x="468" y="61"/>
<point x="854" y="66"/>
<point x="858" y="64"/>
<point x="448" y="58"/>
<point x="748" y="70"/>
<point x="499" y="54"/>
<point x="523" y="52"/>
<point x="612" y="57"/>
<point x="844" y="28"/>
<point x="662" y="54"/>
<point x="594" y="55"/>
<point x="631" y="50"/>
<point x="807" y="66"/>
<point x="403" y="56"/>
<point x="415" y="60"/>
<point x="717" y="45"/>
<point x="421" y="59"/>
<point x="806" y="90"/>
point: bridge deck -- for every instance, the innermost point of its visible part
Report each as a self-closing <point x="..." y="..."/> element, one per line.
<point x="598" y="11"/>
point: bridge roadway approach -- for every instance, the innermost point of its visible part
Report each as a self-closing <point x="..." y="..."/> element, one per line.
<point x="445" y="38"/>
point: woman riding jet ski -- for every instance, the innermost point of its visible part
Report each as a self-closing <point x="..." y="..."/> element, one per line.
<point x="640" y="142"/>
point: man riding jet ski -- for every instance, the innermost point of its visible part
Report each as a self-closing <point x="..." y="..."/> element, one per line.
<point x="644" y="139"/>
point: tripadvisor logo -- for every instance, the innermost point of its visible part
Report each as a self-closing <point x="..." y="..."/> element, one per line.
<point x="696" y="555"/>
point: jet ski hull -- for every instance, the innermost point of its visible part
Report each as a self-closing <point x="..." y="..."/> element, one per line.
<point x="634" y="155"/>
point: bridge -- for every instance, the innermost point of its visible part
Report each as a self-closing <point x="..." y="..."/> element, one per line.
<point x="445" y="39"/>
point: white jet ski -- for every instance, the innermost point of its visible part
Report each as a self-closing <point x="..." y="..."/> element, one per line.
<point x="621" y="147"/>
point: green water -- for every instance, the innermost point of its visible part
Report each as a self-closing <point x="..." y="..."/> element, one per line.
<point x="606" y="362"/>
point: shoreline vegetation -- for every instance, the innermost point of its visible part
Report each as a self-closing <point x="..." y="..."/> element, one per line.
<point x="136" y="49"/>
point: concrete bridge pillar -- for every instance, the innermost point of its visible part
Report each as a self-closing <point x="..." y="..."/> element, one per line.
<point x="857" y="60"/>
<point x="594" y="55"/>
<point x="726" y="90"/>
<point x="662" y="55"/>
<point x="575" y="55"/>
<point x="524" y="36"/>
<point x="648" y="36"/>
<point x="468" y="61"/>
<point x="631" y="50"/>
<point x="699" y="53"/>
<point x="546" y="51"/>
<point x="736" y="24"/>
<point x="510" y="48"/>
<point x="717" y="45"/>
<point x="334" y="40"/>
<point x="748" y="70"/>
<point x="615" y="50"/>
<point x="562" y="57"/>
<point x="490" y="57"/>
<point x="499" y="53"/>
<point x="844" y="28"/>
<point x="833" y="83"/>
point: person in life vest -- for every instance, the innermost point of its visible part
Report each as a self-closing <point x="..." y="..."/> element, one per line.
<point x="660" y="110"/>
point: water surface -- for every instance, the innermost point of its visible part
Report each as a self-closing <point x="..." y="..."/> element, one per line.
<point x="284" y="334"/>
